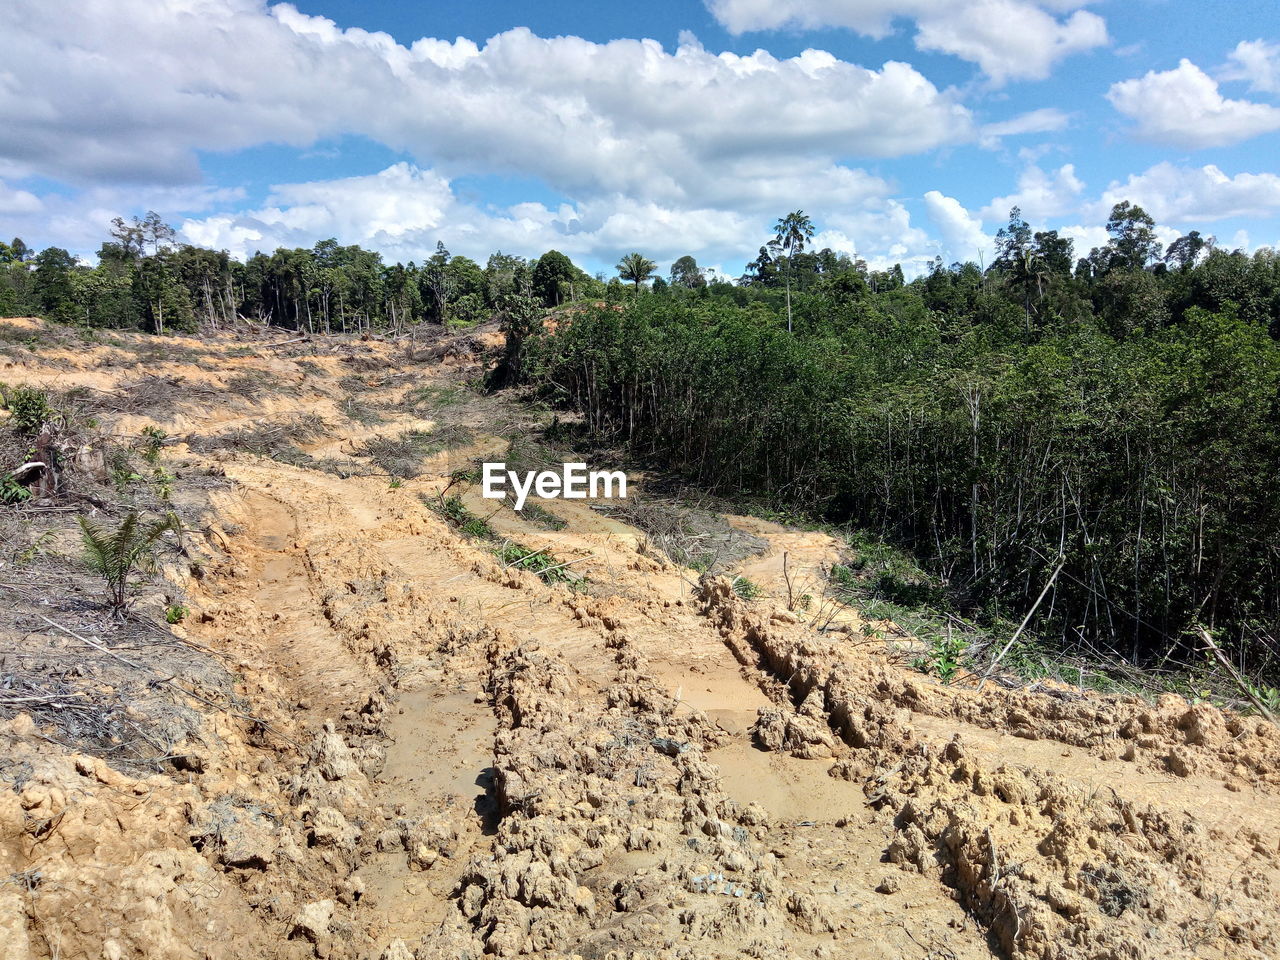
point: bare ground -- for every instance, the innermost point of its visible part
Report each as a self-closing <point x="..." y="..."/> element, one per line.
<point x="393" y="745"/>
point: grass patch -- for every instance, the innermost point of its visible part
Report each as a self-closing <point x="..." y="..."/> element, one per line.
<point x="431" y="397"/>
<point x="460" y="517"/>
<point x="542" y="517"/>
<point x="884" y="583"/>
<point x="548" y="569"/>
<point x="357" y="411"/>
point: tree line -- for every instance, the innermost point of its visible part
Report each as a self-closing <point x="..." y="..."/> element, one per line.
<point x="145" y="279"/>
<point x="1116" y="413"/>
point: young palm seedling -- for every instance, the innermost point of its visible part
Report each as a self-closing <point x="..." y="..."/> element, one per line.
<point x="116" y="554"/>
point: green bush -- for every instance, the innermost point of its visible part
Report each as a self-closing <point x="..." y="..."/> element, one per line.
<point x="29" y="409"/>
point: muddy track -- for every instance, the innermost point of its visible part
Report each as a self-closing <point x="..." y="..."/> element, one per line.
<point x="454" y="759"/>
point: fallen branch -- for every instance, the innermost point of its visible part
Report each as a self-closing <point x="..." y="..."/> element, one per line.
<point x="1022" y="626"/>
<point x="1245" y="686"/>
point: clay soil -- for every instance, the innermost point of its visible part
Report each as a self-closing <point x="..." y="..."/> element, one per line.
<point x="378" y="740"/>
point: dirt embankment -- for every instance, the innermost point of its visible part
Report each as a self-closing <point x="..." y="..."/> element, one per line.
<point x="395" y="744"/>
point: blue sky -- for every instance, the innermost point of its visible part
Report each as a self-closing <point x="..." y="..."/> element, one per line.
<point x="905" y="128"/>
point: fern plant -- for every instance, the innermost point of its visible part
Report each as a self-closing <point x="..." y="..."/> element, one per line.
<point x="116" y="554"/>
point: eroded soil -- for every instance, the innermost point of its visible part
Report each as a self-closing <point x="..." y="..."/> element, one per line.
<point x="422" y="752"/>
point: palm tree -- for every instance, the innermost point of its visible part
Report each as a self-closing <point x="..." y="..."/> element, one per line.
<point x="115" y="554"/>
<point x="790" y="235"/>
<point x="637" y="268"/>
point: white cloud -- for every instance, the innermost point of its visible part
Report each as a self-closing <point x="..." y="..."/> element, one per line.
<point x="80" y="221"/>
<point x="1044" y="120"/>
<point x="1256" y="61"/>
<point x="1184" y="108"/>
<point x="403" y="210"/>
<point x="1085" y="238"/>
<point x="961" y="233"/>
<point x="1007" y="39"/>
<point x="15" y="202"/>
<point x="684" y="151"/>
<point x="1197" y="195"/>
<point x="587" y="118"/>
<point x="1040" y="195"/>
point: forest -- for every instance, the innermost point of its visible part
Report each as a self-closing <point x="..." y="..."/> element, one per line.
<point x="1106" y="421"/>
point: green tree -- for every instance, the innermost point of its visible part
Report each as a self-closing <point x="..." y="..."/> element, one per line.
<point x="505" y="275"/>
<point x="1185" y="251"/>
<point x="51" y="284"/>
<point x="686" y="273"/>
<point x="554" y="276"/>
<point x="791" y="233"/>
<point x="1133" y="240"/>
<point x="636" y="268"/>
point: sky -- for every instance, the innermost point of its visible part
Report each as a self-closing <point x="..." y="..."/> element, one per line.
<point x="906" y="129"/>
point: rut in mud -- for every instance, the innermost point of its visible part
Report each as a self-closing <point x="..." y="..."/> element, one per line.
<point x="429" y="753"/>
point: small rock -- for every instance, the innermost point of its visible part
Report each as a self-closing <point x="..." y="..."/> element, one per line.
<point x="1180" y="762"/>
<point x="312" y="921"/>
<point x="397" y="949"/>
<point x="889" y="884"/>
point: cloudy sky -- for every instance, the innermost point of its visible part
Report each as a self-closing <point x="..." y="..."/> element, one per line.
<point x="905" y="128"/>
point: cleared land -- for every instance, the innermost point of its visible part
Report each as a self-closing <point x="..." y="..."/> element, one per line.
<point x="381" y="729"/>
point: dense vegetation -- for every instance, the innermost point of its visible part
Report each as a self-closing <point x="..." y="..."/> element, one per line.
<point x="1116" y="414"/>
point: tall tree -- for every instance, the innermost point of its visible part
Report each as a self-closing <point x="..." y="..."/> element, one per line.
<point x="790" y="234"/>
<point x="1133" y="237"/>
<point x="685" y="272"/>
<point x="553" y="277"/>
<point x="1186" y="250"/>
<point x="636" y="268"/>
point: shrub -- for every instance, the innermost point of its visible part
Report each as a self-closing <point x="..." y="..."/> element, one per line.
<point x="29" y="409"/>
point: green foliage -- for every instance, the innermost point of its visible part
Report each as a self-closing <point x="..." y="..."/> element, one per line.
<point x="746" y="589"/>
<point x="636" y="268"/>
<point x="548" y="569"/>
<point x="555" y="280"/>
<point x="985" y="443"/>
<point x="944" y="657"/>
<point x="12" y="492"/>
<point x="153" y="438"/>
<point x="176" y="613"/>
<point x="455" y="511"/>
<point x="116" y="554"/>
<point x="29" y="409"/>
